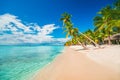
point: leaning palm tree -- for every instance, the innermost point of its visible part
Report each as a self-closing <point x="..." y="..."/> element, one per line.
<point x="73" y="32"/>
<point x="91" y="35"/>
<point x="75" y="35"/>
<point x="90" y="39"/>
<point x="68" y="27"/>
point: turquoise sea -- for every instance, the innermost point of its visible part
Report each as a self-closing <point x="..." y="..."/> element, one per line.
<point x="20" y="62"/>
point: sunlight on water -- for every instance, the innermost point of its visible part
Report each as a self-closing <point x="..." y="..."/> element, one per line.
<point x="19" y="62"/>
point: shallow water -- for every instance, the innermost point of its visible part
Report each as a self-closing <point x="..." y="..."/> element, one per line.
<point x="19" y="62"/>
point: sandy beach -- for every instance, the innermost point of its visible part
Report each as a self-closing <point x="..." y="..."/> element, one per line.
<point x="77" y="64"/>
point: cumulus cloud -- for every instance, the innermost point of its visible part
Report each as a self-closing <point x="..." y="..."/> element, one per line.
<point x="13" y="31"/>
<point x="10" y="22"/>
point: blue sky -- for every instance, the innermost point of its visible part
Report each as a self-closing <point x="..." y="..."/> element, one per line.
<point x="46" y="12"/>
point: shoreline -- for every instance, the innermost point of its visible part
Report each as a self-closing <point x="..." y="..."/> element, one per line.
<point x="77" y="65"/>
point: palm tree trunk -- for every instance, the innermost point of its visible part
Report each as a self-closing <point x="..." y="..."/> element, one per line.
<point x="90" y="39"/>
<point x="82" y="44"/>
<point x="103" y="41"/>
<point x="109" y="39"/>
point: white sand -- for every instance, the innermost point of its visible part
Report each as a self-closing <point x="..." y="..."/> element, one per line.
<point x="76" y="64"/>
<point x="108" y="56"/>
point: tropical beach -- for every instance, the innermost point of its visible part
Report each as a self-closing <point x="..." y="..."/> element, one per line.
<point x="60" y="40"/>
<point x="97" y="56"/>
<point x="76" y="64"/>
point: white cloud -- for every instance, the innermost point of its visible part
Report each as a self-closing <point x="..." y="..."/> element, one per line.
<point x="13" y="31"/>
<point x="10" y="22"/>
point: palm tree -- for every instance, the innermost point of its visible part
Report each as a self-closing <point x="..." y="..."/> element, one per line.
<point x="108" y="18"/>
<point x="91" y="35"/>
<point x="90" y="39"/>
<point x="105" y="20"/>
<point x="117" y="13"/>
<point x="75" y="34"/>
<point x="74" y="42"/>
<point x="68" y="27"/>
<point x="65" y="18"/>
<point x="71" y="31"/>
<point x="68" y="43"/>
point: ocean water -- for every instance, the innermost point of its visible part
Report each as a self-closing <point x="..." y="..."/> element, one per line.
<point x="20" y="62"/>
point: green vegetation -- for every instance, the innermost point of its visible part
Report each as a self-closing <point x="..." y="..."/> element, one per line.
<point x="107" y="23"/>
